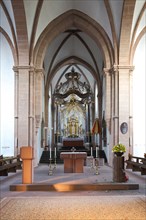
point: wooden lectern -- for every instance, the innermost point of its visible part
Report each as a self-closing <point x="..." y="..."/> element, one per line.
<point x="27" y="155"/>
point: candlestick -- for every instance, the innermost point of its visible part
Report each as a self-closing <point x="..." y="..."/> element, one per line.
<point x="50" y="152"/>
<point x="55" y="158"/>
<point x="91" y="151"/>
<point x="50" y="168"/>
<point x="96" y="167"/>
<point x="96" y="152"/>
<point x="55" y="152"/>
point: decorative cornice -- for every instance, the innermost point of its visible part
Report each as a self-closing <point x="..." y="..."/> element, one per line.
<point x="115" y="68"/>
<point x="127" y="67"/>
<point x="16" y="68"/>
<point x="29" y="68"/>
<point x="72" y="91"/>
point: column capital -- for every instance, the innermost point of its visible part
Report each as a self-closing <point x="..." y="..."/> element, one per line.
<point x="40" y="71"/>
<point x="106" y="72"/>
<point x="115" y="68"/>
<point x="17" y="68"/>
<point x="29" y="68"/>
<point x="119" y="67"/>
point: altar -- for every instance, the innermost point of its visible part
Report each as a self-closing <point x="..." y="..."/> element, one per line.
<point x="73" y="161"/>
<point x="73" y="142"/>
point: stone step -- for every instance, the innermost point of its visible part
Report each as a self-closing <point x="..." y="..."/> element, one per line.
<point x="74" y="187"/>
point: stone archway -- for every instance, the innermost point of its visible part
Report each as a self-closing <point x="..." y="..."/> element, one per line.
<point x="73" y="18"/>
<point x="77" y="19"/>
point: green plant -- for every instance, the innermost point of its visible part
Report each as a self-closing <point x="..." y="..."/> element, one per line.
<point x="119" y="148"/>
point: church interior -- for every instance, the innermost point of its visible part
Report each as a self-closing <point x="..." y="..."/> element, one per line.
<point x="72" y="99"/>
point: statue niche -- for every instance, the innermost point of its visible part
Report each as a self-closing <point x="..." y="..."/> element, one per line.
<point x="73" y="127"/>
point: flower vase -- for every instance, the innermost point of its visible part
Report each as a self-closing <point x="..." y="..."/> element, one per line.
<point x="118" y="154"/>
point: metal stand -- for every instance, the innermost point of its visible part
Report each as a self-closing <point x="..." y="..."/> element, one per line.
<point x="96" y="166"/>
<point x="50" y="168"/>
<point x="55" y="163"/>
<point x="92" y="167"/>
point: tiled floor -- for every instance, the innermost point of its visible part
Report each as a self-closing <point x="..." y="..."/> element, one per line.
<point x="89" y="176"/>
<point x="76" y="205"/>
<point x="74" y="208"/>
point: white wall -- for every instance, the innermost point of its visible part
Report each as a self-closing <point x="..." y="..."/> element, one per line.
<point x="139" y="97"/>
<point x="6" y="99"/>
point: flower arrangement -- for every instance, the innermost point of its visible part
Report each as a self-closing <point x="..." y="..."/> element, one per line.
<point x="119" y="148"/>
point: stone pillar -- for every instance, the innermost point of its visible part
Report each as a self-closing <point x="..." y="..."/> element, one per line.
<point x="52" y="118"/>
<point x="108" y="112"/>
<point x="125" y="104"/>
<point x="57" y="121"/>
<point x="131" y="111"/>
<point x="108" y="98"/>
<point x="89" y="128"/>
<point x="31" y="108"/>
<point x="86" y="121"/>
<point x="16" y="99"/>
<point x="38" y="100"/>
<point x="39" y="73"/>
<point x="100" y="118"/>
<point x="59" y="125"/>
<point x="23" y="104"/>
<point x="115" y="105"/>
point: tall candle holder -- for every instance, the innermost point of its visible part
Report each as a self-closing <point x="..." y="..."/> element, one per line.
<point x="55" y="156"/>
<point x="55" y="165"/>
<point x="96" y="166"/>
<point x="92" y="167"/>
<point x="92" y="162"/>
<point x="50" y="168"/>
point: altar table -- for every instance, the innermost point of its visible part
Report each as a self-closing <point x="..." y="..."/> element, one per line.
<point x="73" y="161"/>
<point x="73" y="142"/>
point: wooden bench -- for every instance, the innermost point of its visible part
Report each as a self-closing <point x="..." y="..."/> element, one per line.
<point x="10" y="164"/>
<point x="136" y="164"/>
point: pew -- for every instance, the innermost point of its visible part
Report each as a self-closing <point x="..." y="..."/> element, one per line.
<point x="9" y="164"/>
<point x="136" y="164"/>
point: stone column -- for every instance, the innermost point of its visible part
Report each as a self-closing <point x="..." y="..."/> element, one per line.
<point x="56" y="134"/>
<point x="108" y="98"/>
<point x="108" y="112"/>
<point x="86" y="121"/>
<point x="59" y="125"/>
<point x="16" y="100"/>
<point x="39" y="73"/>
<point x="100" y="118"/>
<point x="131" y="111"/>
<point x="89" y="128"/>
<point x="115" y="105"/>
<point x="52" y="122"/>
<point x="23" y="105"/>
<point x="38" y="78"/>
<point x="125" y="104"/>
<point x="31" y="131"/>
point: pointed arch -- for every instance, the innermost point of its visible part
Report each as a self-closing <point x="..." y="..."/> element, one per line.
<point x="2" y="31"/>
<point x="73" y="18"/>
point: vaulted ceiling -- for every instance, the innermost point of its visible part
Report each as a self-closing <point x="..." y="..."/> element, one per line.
<point x="71" y="43"/>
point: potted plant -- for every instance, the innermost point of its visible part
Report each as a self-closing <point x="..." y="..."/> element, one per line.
<point x="119" y="149"/>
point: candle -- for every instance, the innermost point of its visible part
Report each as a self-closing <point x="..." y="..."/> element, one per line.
<point x="50" y="152"/>
<point x="91" y="151"/>
<point x="55" y="152"/>
<point x="96" y="152"/>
